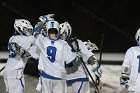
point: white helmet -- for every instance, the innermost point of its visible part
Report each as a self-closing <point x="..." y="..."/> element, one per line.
<point x="23" y="27"/>
<point x="66" y="29"/>
<point x="53" y="25"/>
<point x="137" y="37"/>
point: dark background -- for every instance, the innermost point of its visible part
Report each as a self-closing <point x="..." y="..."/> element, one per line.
<point x="117" y="19"/>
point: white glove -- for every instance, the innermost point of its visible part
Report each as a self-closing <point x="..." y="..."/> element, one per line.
<point x="97" y="70"/>
<point x="46" y="18"/>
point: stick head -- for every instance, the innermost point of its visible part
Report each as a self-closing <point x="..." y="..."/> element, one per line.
<point x="91" y="46"/>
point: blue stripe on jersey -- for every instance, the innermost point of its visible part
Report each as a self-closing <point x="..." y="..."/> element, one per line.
<point x="45" y="75"/>
<point x="80" y="87"/>
<point x="73" y="61"/>
<point x="52" y="42"/>
<point x="70" y="82"/>
<point x="22" y="85"/>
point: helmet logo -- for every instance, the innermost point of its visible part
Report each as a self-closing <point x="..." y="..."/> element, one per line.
<point x="52" y="24"/>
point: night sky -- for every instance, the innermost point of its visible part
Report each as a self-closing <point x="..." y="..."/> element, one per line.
<point x="117" y="19"/>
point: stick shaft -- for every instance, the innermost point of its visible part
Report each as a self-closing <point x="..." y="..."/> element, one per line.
<point x="89" y="73"/>
<point x="2" y="68"/>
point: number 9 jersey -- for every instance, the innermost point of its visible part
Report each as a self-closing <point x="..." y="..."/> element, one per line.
<point x="53" y="55"/>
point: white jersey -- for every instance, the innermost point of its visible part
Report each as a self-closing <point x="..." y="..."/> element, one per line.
<point x="80" y="73"/>
<point x="54" y="54"/>
<point x="132" y="60"/>
<point x="15" y="61"/>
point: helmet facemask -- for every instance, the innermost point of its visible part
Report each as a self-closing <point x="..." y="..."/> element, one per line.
<point x="23" y="27"/>
<point x="63" y="35"/>
<point x="65" y="31"/>
<point x="27" y="31"/>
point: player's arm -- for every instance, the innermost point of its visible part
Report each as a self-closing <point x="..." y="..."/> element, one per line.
<point x="19" y="50"/>
<point x="34" y="50"/>
<point x="126" y="68"/>
<point x="41" y="24"/>
<point x="69" y="57"/>
<point x="124" y="76"/>
<point x="70" y="64"/>
<point x="31" y="51"/>
<point x="90" y="58"/>
<point x="95" y="66"/>
<point x="37" y="29"/>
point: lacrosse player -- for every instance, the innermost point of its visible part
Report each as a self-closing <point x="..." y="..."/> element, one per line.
<point x="22" y="40"/>
<point x="54" y="53"/>
<point x="130" y="75"/>
<point x="78" y="81"/>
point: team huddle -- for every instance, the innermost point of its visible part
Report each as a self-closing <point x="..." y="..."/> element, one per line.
<point x="61" y="59"/>
<point x="58" y="54"/>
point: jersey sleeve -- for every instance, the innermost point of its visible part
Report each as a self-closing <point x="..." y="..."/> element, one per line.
<point x="28" y="43"/>
<point x="86" y="54"/>
<point x="128" y="58"/>
<point x="69" y="56"/>
<point x="34" y="50"/>
<point x="39" y="39"/>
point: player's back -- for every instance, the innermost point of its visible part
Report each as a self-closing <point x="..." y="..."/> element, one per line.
<point x="53" y="54"/>
<point x="132" y="60"/>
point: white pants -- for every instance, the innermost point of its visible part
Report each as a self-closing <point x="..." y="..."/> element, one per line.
<point x="14" y="85"/>
<point x="79" y="87"/>
<point x="53" y="86"/>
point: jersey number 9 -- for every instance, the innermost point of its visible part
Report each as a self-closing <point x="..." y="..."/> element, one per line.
<point x="51" y="52"/>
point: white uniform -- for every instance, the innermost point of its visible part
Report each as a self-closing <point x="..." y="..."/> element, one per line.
<point x="78" y="82"/>
<point x="132" y="60"/>
<point x="54" y="54"/>
<point x="13" y="72"/>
